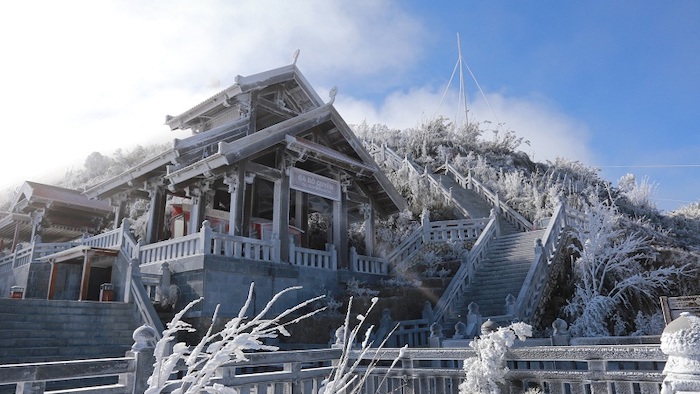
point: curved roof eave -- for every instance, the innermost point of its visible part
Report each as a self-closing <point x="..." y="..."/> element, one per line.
<point x="244" y="85"/>
<point x="115" y="184"/>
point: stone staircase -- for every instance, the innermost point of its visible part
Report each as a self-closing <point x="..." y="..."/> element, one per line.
<point x="465" y="199"/>
<point x="53" y="330"/>
<point x="502" y="273"/>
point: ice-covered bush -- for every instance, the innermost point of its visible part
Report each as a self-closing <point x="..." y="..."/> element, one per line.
<point x="240" y="334"/>
<point x="612" y="273"/>
<point x="357" y="288"/>
<point x="487" y="370"/>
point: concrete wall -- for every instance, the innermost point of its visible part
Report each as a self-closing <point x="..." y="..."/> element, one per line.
<point x="66" y="282"/>
<point x="226" y="281"/>
<point x="38" y="280"/>
<point x="7" y="280"/>
<point x="34" y="278"/>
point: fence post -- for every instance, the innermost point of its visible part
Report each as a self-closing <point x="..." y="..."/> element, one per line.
<point x="292" y="253"/>
<point x="142" y="351"/>
<point x="425" y="223"/>
<point x="539" y="249"/>
<point x="30" y="388"/>
<point x="276" y="252"/>
<point x="680" y="342"/>
<point x="205" y="238"/>
<point x="334" y="256"/>
<point x="493" y="215"/>
<point x="510" y="305"/>
<point x="353" y="259"/>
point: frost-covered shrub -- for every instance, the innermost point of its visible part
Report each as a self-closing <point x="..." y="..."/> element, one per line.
<point x="612" y="274"/>
<point x="649" y="324"/>
<point x="394" y="229"/>
<point x="487" y="371"/>
<point x="356" y="288"/>
<point x="240" y="334"/>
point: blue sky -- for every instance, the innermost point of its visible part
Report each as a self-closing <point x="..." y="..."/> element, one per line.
<point x="606" y="83"/>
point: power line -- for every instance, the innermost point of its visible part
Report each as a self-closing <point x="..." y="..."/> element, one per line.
<point x="653" y="166"/>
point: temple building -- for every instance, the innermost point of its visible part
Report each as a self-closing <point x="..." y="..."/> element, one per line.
<point x="265" y="190"/>
<point x="43" y="219"/>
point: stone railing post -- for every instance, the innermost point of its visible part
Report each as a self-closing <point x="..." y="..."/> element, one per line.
<point x="339" y="342"/>
<point x="436" y="335"/>
<point x="292" y="253"/>
<point x="386" y="324"/>
<point x="427" y="312"/>
<point x="493" y="214"/>
<point x="334" y="256"/>
<point x="30" y="388"/>
<point x="560" y="333"/>
<point x="460" y="331"/>
<point x="425" y="223"/>
<point x="539" y="248"/>
<point x="681" y="342"/>
<point x="205" y="238"/>
<point x="354" y="265"/>
<point x="510" y="305"/>
<point x="474" y="319"/>
<point x="142" y="351"/>
<point x="276" y="245"/>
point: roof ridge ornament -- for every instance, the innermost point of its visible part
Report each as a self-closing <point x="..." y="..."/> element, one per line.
<point x="332" y="94"/>
<point x="295" y="56"/>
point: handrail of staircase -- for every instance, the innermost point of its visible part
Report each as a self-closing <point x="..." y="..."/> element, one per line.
<point x="143" y="303"/>
<point x="545" y="255"/>
<point x="465" y="273"/>
<point x="440" y="231"/>
<point x="470" y="182"/>
<point x="135" y="289"/>
<point x="408" y="248"/>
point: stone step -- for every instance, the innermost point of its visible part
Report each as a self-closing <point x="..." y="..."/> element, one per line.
<point x="9" y="304"/>
<point x="46" y="354"/>
<point x="68" y="325"/>
<point x="66" y="315"/>
<point x="52" y="330"/>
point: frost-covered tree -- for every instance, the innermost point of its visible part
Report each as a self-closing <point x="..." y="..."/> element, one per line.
<point x="640" y="194"/>
<point x="487" y="370"/>
<point x="613" y="271"/>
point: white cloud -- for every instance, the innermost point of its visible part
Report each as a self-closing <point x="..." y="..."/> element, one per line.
<point x="83" y="76"/>
<point x="550" y="132"/>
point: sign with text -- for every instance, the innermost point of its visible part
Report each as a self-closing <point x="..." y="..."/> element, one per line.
<point x="311" y="183"/>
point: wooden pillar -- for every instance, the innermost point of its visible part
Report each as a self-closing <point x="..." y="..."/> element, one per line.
<point x="280" y="215"/>
<point x="252" y="113"/>
<point x="15" y="238"/>
<point x="340" y="229"/>
<point x="36" y="217"/>
<point x="369" y="228"/>
<point x="304" y="218"/>
<point x="298" y="208"/>
<point x="52" y="281"/>
<point x="200" y="199"/>
<point x="236" y="187"/>
<point x="249" y="196"/>
<point x="156" y="214"/>
<point x="86" y="276"/>
<point x="119" y="211"/>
